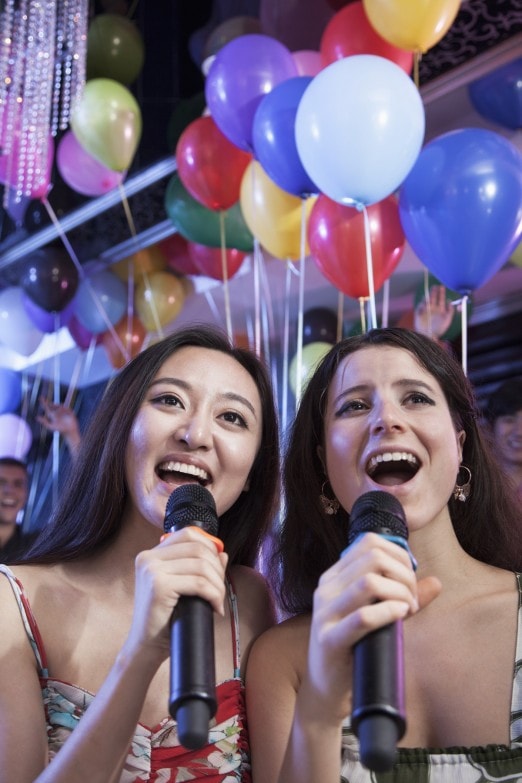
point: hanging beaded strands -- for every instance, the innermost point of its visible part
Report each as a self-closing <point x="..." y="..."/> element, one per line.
<point x="42" y="73"/>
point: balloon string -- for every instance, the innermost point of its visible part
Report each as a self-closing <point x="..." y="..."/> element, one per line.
<point x="340" y="315"/>
<point x="369" y="266"/>
<point x="300" y="309"/>
<point x="74" y="380"/>
<point x="131" y="278"/>
<point x="286" y="347"/>
<point x="149" y="298"/>
<point x="464" y="330"/>
<point x="427" y="301"/>
<point x="385" y="303"/>
<point x="257" y="321"/>
<point x="56" y="400"/>
<point x="224" y="272"/>
<point x="362" y="313"/>
<point x="212" y="304"/>
<point x="81" y="273"/>
<point x="268" y="311"/>
<point x="416" y="63"/>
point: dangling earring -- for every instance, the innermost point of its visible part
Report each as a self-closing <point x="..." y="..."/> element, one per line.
<point x="330" y="505"/>
<point x="461" y="491"/>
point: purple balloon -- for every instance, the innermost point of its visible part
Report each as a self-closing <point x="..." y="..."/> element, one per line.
<point x="44" y="320"/>
<point x="244" y="71"/>
<point x="81" y="335"/>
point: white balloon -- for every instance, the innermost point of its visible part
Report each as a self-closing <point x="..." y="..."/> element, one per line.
<point x="15" y="436"/>
<point x="17" y="331"/>
<point x="359" y="129"/>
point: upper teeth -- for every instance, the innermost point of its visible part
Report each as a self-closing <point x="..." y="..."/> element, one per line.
<point x="184" y="467"/>
<point x="391" y="456"/>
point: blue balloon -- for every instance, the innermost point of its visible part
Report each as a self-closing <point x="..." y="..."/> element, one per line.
<point x="498" y="95"/>
<point x="10" y="390"/>
<point x="461" y="206"/>
<point x="273" y="137"/>
<point x="101" y="301"/>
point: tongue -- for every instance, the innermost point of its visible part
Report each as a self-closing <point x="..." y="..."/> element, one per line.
<point x="391" y="479"/>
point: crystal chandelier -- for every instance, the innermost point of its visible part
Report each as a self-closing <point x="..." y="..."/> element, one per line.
<point x="42" y="74"/>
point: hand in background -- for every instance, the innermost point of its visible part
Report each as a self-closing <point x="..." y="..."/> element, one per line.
<point x="433" y="318"/>
<point x="60" y="418"/>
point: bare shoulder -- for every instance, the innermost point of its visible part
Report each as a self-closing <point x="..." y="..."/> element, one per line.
<point x="283" y="648"/>
<point x="254" y="597"/>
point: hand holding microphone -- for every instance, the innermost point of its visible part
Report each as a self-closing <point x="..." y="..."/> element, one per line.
<point x="378" y="713"/>
<point x="192" y="700"/>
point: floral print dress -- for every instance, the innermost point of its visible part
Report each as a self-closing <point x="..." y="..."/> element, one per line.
<point x="486" y="764"/>
<point x="155" y="755"/>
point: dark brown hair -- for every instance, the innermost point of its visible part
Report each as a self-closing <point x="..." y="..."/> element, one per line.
<point x="309" y="542"/>
<point x="89" y="512"/>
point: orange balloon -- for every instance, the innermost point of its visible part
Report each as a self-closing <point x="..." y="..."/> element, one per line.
<point x="132" y="334"/>
<point x="149" y="259"/>
<point x="273" y="216"/>
<point x="158" y="299"/>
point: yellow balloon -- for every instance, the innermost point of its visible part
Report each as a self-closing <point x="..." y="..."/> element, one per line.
<point x="516" y="255"/>
<point x="158" y="299"/>
<point x="273" y="216"/>
<point x="311" y="355"/>
<point x="416" y="25"/>
<point x="150" y="259"/>
<point x="107" y="123"/>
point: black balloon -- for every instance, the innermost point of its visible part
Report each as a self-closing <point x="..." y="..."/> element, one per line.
<point x="319" y="326"/>
<point x="50" y="278"/>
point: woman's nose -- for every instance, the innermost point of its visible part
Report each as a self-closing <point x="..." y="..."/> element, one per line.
<point x="386" y="417"/>
<point x="195" y="432"/>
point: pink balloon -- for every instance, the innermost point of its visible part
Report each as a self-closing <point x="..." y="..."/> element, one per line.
<point x="81" y="171"/>
<point x="15" y="436"/>
<point x="308" y="62"/>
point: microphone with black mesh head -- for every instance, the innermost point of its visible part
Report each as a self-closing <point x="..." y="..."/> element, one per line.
<point x="192" y="701"/>
<point x="378" y="716"/>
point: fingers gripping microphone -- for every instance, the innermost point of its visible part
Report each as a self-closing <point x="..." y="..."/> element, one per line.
<point x="192" y="701"/>
<point x="378" y="717"/>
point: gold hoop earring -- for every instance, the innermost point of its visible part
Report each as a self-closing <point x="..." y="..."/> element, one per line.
<point x="330" y="505"/>
<point x="461" y="491"/>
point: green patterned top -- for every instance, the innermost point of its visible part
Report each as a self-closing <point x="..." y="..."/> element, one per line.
<point x="484" y="764"/>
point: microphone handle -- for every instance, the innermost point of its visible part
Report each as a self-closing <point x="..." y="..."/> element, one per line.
<point x="378" y="714"/>
<point x="193" y="699"/>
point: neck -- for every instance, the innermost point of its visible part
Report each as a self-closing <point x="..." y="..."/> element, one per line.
<point x="6" y="532"/>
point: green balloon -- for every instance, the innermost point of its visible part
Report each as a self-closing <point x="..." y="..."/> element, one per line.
<point x="199" y="224"/>
<point x="311" y="355"/>
<point x="454" y="328"/>
<point x="115" y="49"/>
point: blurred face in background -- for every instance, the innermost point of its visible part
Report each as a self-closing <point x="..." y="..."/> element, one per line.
<point x="507" y="431"/>
<point x="13" y="497"/>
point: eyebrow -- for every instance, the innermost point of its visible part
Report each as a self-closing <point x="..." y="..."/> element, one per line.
<point x="232" y="396"/>
<point x="403" y="382"/>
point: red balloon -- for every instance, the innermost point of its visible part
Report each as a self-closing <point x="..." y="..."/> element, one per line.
<point x="337" y="243"/>
<point x="175" y="249"/>
<point x="350" y="32"/>
<point x="209" y="260"/>
<point x="210" y="166"/>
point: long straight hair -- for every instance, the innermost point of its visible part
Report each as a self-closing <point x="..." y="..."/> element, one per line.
<point x="89" y="512"/>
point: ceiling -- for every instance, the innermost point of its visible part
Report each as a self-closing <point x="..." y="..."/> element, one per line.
<point x="265" y="293"/>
